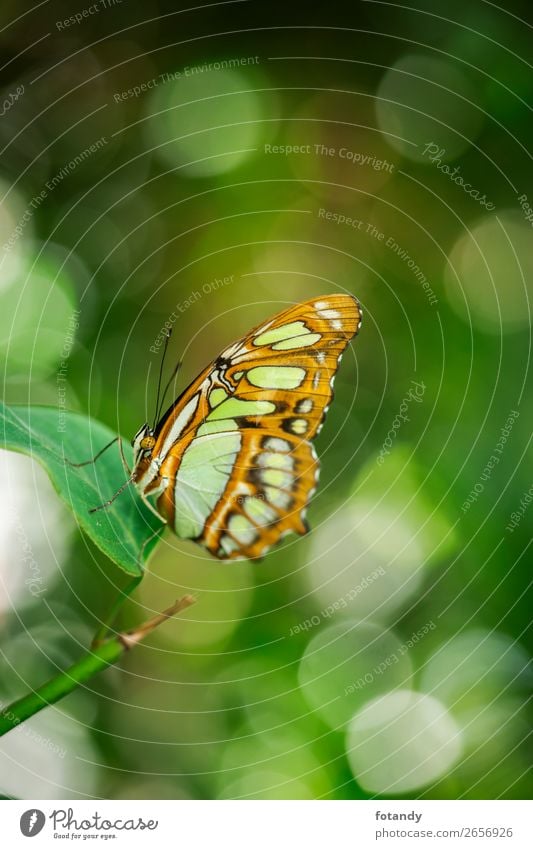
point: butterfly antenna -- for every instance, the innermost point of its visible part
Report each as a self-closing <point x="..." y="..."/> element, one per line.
<point x="167" y="387"/>
<point x="160" y="378"/>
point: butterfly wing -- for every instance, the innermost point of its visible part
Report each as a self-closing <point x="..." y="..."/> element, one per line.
<point x="266" y="496"/>
<point x="236" y="467"/>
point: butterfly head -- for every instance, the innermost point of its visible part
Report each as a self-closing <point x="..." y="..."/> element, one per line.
<point x="143" y="443"/>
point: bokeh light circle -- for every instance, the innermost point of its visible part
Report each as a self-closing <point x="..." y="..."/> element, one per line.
<point x="425" y="100"/>
<point x="401" y="742"/>
<point x="347" y="664"/>
<point x="205" y="123"/>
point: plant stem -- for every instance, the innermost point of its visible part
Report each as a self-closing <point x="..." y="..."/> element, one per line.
<point x="107" y="623"/>
<point x="85" y="668"/>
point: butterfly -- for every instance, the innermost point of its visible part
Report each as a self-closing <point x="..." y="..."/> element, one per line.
<point x="231" y="464"/>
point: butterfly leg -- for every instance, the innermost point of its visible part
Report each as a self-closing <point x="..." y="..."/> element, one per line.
<point x="145" y="543"/>
<point x="107" y="623"/>
<point x="110" y="501"/>
<point x="122" y="456"/>
<point x="154" y="511"/>
<point x="160" y="488"/>
<point x="106" y="626"/>
<point x="96" y="456"/>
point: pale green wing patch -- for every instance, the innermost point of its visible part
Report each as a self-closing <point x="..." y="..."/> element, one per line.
<point x="305" y="340"/>
<point x="216" y="396"/>
<point x="237" y="407"/>
<point x="287" y="337"/>
<point x="295" y="328"/>
<point x="276" y="377"/>
<point x="222" y="426"/>
<point x="202" y="477"/>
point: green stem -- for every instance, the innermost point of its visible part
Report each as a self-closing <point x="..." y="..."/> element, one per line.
<point x="107" y="622"/>
<point x="85" y="668"/>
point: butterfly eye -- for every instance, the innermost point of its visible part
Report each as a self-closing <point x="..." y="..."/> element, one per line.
<point x="147" y="442"/>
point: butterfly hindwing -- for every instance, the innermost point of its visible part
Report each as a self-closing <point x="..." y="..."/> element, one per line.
<point x="265" y="498"/>
<point x="261" y="402"/>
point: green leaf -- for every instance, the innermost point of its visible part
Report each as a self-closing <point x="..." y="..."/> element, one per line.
<point x="122" y="529"/>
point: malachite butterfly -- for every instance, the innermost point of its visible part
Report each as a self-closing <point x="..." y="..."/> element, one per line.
<point x="231" y="463"/>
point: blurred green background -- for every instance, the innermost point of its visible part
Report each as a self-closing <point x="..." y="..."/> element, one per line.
<point x="219" y="164"/>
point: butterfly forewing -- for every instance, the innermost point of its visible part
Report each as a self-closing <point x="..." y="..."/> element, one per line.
<point x="233" y="465"/>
